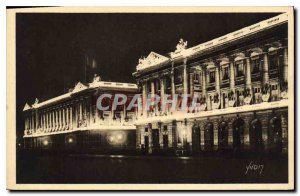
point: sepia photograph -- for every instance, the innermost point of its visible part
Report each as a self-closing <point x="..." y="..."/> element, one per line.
<point x="150" y="98"/>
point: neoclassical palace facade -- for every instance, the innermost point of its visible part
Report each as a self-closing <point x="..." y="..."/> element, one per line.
<point x="72" y="121"/>
<point x="239" y="81"/>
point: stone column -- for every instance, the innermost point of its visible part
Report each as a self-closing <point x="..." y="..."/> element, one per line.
<point x="160" y="135"/>
<point x="80" y="110"/>
<point x="285" y="64"/>
<point x="150" y="137"/>
<point x="162" y="94"/>
<point x="185" y="78"/>
<point x="57" y="118"/>
<point x="232" y="76"/>
<point x="152" y="96"/>
<point x="203" y="77"/>
<point x="47" y="121"/>
<point x="67" y="117"/>
<point x="172" y="83"/>
<point x="37" y="120"/>
<point x="64" y="117"/>
<point x="41" y="121"/>
<point x="60" y="118"/>
<point x="208" y="102"/>
<point x="76" y="110"/>
<point x="192" y="84"/>
<point x="202" y="128"/>
<point x="144" y="101"/>
<point x="33" y="122"/>
<point x="217" y="79"/>
<point x="266" y="69"/>
<point x="71" y="118"/>
<point x="215" y="135"/>
<point x="44" y="121"/>
<point x="248" y="74"/>
<point x="52" y="120"/>
<point x="247" y="119"/>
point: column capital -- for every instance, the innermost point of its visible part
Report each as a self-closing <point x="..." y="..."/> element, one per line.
<point x="238" y="55"/>
<point x="231" y="58"/>
<point x="185" y="61"/>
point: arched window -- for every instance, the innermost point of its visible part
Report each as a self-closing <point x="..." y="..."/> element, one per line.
<point x="209" y="137"/>
<point x="275" y="134"/>
<point x="256" y="135"/>
<point x="196" y="138"/>
<point x="223" y="135"/>
<point x="238" y="133"/>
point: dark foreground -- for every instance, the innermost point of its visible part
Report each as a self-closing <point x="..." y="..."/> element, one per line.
<point x="33" y="168"/>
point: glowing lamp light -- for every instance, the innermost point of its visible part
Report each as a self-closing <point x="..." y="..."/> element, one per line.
<point x="119" y="136"/>
<point x="70" y="140"/>
<point x="116" y="138"/>
<point x="111" y="138"/>
<point x="45" y="142"/>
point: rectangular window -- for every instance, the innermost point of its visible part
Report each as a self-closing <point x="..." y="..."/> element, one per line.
<point x="146" y="129"/>
<point x="165" y="128"/>
<point x="256" y="65"/>
<point x="240" y="68"/>
<point x="274" y="87"/>
<point x="273" y="61"/>
<point x="225" y="73"/>
<point x="212" y="76"/>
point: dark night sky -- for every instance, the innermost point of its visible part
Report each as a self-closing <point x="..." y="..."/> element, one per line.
<point x="52" y="48"/>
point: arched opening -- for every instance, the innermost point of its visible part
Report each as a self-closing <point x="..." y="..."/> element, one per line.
<point x="146" y="140"/>
<point x="155" y="138"/>
<point x="196" y="139"/>
<point x="209" y="137"/>
<point x="223" y="135"/>
<point x="238" y="133"/>
<point x="275" y="135"/>
<point x="256" y="135"/>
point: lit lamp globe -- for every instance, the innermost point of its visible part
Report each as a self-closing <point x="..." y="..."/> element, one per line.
<point x="45" y="142"/>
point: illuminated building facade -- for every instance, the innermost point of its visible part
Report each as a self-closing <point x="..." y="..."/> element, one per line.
<point x="240" y="81"/>
<point x="72" y="121"/>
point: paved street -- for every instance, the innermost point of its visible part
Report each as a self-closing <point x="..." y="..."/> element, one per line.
<point x="150" y="169"/>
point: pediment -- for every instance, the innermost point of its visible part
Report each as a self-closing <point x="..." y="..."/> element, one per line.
<point x="151" y="60"/>
<point x="224" y="61"/>
<point x="239" y="56"/>
<point x="26" y="107"/>
<point x="79" y="87"/>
